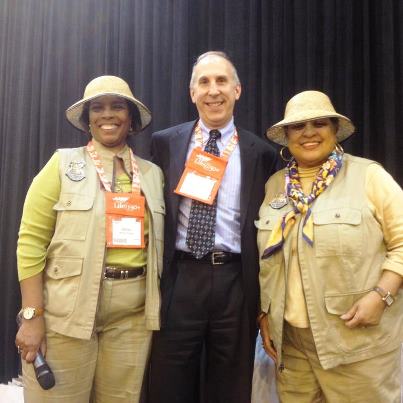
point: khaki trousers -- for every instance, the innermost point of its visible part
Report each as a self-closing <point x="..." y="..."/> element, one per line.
<point x="108" y="368"/>
<point x="376" y="380"/>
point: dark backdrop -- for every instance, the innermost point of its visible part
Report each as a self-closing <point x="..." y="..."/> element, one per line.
<point x="49" y="50"/>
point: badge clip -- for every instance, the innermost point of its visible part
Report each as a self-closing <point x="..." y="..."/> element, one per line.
<point x="279" y="201"/>
<point x="75" y="171"/>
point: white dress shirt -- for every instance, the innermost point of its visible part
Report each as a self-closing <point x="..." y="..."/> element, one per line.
<point x="228" y="226"/>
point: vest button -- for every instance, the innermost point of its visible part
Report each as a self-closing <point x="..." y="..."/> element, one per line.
<point x="337" y="215"/>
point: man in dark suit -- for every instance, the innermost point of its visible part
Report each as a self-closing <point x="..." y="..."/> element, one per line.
<point x="209" y="283"/>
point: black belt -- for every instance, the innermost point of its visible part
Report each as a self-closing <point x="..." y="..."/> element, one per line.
<point x="123" y="273"/>
<point x="218" y="257"/>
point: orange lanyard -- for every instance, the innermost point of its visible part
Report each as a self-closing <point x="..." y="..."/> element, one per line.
<point x="228" y="149"/>
<point x="101" y="172"/>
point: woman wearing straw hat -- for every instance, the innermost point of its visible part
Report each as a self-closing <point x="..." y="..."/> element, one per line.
<point x="89" y="256"/>
<point x="331" y="245"/>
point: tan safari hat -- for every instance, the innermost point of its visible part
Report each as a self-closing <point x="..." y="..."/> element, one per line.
<point x="305" y="106"/>
<point x="106" y="85"/>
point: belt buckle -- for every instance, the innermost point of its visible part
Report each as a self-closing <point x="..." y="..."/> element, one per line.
<point x="115" y="270"/>
<point x="217" y="255"/>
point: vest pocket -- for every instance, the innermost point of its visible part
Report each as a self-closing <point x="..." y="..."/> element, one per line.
<point x="337" y="232"/>
<point x="351" y="340"/>
<point x="73" y="217"/>
<point x="265" y="223"/>
<point x="265" y="302"/>
<point x="265" y="226"/>
<point x="61" y="283"/>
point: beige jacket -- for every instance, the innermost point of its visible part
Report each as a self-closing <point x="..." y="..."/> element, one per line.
<point x="75" y="258"/>
<point x="345" y="262"/>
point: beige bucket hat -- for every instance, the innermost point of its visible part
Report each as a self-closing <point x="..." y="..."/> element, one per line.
<point x="106" y="85"/>
<point x="305" y="106"/>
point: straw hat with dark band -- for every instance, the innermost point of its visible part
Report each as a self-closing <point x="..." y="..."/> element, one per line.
<point x="305" y="106"/>
<point x="106" y="85"/>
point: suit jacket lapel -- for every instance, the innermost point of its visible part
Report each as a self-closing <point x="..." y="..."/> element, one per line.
<point x="248" y="162"/>
<point x="178" y="146"/>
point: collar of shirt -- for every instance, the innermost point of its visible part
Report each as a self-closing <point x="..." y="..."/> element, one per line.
<point x="226" y="133"/>
<point x="107" y="157"/>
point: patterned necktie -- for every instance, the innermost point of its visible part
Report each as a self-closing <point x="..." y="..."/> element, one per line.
<point x="202" y="218"/>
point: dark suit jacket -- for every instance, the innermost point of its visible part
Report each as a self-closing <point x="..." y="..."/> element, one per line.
<point x="258" y="161"/>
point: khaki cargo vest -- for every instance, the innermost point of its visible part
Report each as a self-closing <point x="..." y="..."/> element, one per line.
<point x="344" y="263"/>
<point x="75" y="257"/>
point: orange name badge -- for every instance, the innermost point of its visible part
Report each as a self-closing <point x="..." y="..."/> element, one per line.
<point x="124" y="220"/>
<point x="202" y="176"/>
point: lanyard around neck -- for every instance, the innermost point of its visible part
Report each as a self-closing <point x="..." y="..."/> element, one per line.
<point x="101" y="172"/>
<point x="228" y="149"/>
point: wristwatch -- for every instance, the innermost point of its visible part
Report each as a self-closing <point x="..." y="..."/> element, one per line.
<point x="387" y="297"/>
<point x="29" y="312"/>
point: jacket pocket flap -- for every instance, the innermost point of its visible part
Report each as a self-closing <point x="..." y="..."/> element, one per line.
<point x="265" y="304"/>
<point x="341" y="303"/>
<point x="73" y="201"/>
<point x="266" y="223"/>
<point x="156" y="205"/>
<point x="159" y="208"/>
<point x="337" y="216"/>
<point x="58" y="268"/>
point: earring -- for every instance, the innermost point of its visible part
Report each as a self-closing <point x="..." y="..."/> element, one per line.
<point x="89" y="128"/>
<point x="339" y="148"/>
<point x="282" y="156"/>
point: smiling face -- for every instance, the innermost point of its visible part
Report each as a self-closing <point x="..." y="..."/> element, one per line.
<point x="214" y="90"/>
<point x="110" y="120"/>
<point x="311" y="142"/>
